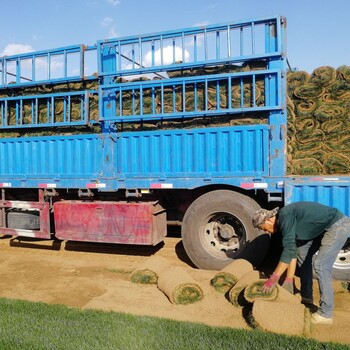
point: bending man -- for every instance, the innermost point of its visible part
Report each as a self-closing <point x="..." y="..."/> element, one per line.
<point x="307" y="227"/>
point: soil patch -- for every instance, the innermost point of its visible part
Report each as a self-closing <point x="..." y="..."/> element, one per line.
<point x="93" y="276"/>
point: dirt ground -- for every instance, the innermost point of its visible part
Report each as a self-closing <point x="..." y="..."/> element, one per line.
<point x="96" y="276"/>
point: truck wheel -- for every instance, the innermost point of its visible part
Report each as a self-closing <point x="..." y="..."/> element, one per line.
<point x="217" y="228"/>
<point x="341" y="267"/>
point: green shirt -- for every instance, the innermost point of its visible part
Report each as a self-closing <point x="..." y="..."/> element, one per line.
<point x="303" y="221"/>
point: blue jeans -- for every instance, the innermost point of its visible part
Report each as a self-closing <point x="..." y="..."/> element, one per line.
<point x="328" y="246"/>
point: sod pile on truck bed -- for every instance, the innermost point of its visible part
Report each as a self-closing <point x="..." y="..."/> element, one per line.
<point x="318" y="108"/>
<point x="319" y="121"/>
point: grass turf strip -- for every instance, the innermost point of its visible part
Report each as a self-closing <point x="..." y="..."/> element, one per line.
<point x="27" y="325"/>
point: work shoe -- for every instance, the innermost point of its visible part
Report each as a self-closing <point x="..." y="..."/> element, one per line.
<point x="306" y="301"/>
<point x="318" y="319"/>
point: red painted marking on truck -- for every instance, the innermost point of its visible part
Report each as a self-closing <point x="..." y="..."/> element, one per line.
<point x="156" y="185"/>
<point x="110" y="222"/>
<point x="250" y="185"/>
<point x="160" y="185"/>
<point x="47" y="185"/>
<point x="247" y="185"/>
<point x="95" y="185"/>
<point x="5" y="184"/>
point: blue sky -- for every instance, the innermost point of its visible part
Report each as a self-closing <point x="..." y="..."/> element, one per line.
<point x="318" y="31"/>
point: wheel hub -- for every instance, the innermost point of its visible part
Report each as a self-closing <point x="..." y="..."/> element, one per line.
<point x="225" y="231"/>
<point x="222" y="236"/>
<point x="343" y="259"/>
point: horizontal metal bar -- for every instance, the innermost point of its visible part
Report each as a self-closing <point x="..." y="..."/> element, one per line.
<point x="179" y="97"/>
<point x="187" y="65"/>
<point x="196" y="30"/>
<point x="37" y="66"/>
<point x="45" y="110"/>
<point x="229" y="42"/>
<point x="191" y="79"/>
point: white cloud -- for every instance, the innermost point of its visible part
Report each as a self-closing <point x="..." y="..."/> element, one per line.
<point x="113" y="2"/>
<point x="168" y="56"/>
<point x="107" y="21"/>
<point x="112" y="33"/>
<point x="202" y="24"/>
<point x="14" y="49"/>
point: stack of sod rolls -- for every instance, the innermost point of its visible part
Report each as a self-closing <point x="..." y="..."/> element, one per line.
<point x="197" y="97"/>
<point x="37" y="106"/>
<point x="318" y="108"/>
<point x="319" y="121"/>
<point x="318" y="114"/>
<point x="277" y="311"/>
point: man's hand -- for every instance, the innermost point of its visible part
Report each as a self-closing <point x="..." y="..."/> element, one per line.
<point x="270" y="283"/>
<point x="288" y="285"/>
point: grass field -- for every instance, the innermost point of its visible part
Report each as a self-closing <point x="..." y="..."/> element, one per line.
<point x="26" y="325"/>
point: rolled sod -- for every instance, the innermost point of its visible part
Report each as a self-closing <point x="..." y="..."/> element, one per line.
<point x="284" y="295"/>
<point x="319" y="121"/>
<point x="148" y="272"/>
<point x="225" y="279"/>
<point x="179" y="286"/>
<point x="281" y="317"/>
<point x="236" y="293"/>
<point x="324" y="76"/>
<point x="297" y="78"/>
<point x="254" y="292"/>
<point x="344" y="72"/>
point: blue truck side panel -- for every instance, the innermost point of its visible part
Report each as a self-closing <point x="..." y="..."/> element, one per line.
<point x="62" y="160"/>
<point x="210" y="152"/>
<point x="332" y="191"/>
<point x="123" y="159"/>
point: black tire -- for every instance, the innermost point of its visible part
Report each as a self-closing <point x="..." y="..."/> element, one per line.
<point x="217" y="228"/>
<point x="25" y="220"/>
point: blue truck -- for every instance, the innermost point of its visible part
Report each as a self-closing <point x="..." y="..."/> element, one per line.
<point x="116" y="141"/>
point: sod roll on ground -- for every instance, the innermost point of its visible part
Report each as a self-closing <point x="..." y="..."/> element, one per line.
<point x="225" y="279"/>
<point x="149" y="271"/>
<point x="179" y="286"/>
<point x="236" y="293"/>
